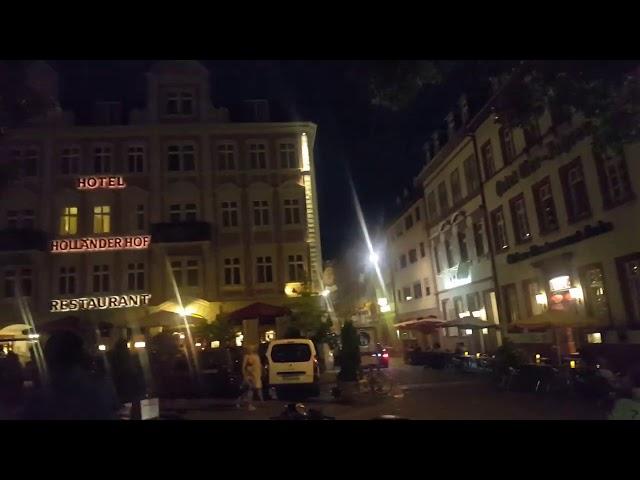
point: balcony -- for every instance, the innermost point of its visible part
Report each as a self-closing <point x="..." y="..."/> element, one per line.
<point x="180" y="232"/>
<point x="21" y="240"/>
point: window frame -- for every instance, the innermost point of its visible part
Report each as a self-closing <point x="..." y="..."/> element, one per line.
<point x="518" y="216"/>
<point x="536" y="190"/>
<point x="286" y="163"/>
<point x="264" y="266"/>
<point x="494" y="227"/>
<point x="296" y="264"/>
<point x="101" y="215"/>
<point x="226" y="156"/>
<point x="570" y="203"/>
<point x="254" y="154"/>
<point x="488" y="160"/>
<point x="456" y="199"/>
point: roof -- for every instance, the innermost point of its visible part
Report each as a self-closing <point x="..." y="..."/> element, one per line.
<point x="179" y="67"/>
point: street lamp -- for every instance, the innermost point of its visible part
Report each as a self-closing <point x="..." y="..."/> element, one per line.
<point x="325" y="293"/>
<point x="373" y="258"/>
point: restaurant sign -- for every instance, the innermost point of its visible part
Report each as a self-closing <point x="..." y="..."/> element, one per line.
<point x="97" y="244"/>
<point x="99" y="303"/>
<point x="102" y="181"/>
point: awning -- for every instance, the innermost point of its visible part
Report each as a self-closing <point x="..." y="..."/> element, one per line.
<point x="469" y="322"/>
<point x="559" y="319"/>
<point x="422" y="324"/>
<point x="258" y="310"/>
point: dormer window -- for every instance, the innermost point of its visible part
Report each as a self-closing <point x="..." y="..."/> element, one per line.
<point x="179" y="103"/>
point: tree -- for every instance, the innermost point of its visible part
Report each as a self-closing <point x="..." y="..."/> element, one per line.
<point x="19" y="103"/>
<point x="350" y="353"/>
<point x="220" y="330"/>
<point x="310" y="318"/>
<point x="607" y="93"/>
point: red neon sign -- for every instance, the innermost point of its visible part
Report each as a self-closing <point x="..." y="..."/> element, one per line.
<point x="94" y="182"/>
<point x="93" y="244"/>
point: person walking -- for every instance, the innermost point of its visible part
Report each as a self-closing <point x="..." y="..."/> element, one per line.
<point x="252" y="376"/>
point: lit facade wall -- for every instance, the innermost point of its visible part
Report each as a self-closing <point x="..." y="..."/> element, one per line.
<point x="458" y="243"/>
<point x="600" y="264"/>
<point x="198" y="217"/>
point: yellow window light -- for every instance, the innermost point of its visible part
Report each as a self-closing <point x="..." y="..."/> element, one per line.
<point x="139" y="344"/>
<point x="215" y="344"/>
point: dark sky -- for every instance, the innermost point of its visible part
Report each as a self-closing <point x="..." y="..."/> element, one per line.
<point x="382" y="149"/>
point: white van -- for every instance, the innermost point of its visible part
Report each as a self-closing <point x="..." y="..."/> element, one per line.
<point x="293" y="365"/>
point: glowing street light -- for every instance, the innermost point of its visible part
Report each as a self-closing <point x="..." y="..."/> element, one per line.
<point x="373" y="258"/>
<point x="325" y="293"/>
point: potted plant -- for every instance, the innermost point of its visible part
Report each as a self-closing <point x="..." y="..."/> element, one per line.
<point x="349" y="362"/>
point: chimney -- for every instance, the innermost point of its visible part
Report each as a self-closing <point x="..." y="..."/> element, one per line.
<point x="464" y="109"/>
<point x="451" y="125"/>
<point x="495" y="84"/>
<point x="256" y="110"/>
<point x="435" y="136"/>
<point x="427" y="152"/>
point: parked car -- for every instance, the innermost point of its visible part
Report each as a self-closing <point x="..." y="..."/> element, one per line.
<point x="221" y="372"/>
<point x="293" y="367"/>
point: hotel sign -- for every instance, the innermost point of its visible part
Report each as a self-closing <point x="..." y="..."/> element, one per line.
<point x="99" y="303"/>
<point x="99" y="244"/>
<point x="95" y="182"/>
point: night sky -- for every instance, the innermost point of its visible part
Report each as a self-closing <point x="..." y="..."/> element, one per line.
<point x="381" y="149"/>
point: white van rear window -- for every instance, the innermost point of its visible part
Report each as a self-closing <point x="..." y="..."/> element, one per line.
<point x="290" y="353"/>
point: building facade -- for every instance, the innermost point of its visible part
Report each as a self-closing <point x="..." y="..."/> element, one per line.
<point x="178" y="212"/>
<point x="409" y="267"/>
<point x="564" y="232"/>
<point x="457" y="233"/>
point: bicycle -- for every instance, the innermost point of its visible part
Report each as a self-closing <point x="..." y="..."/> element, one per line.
<point x="375" y="382"/>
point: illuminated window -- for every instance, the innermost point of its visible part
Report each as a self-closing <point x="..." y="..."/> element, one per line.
<point x="519" y="218"/>
<point x="288" y="157"/>
<point x="296" y="268"/>
<point x="499" y="230"/>
<point x="229" y="214"/>
<point x="102" y="159"/>
<point x="291" y="211"/>
<point x="135" y="276"/>
<point x="232" y="271"/>
<point x="258" y="156"/>
<point x="264" y="270"/>
<point x="101" y="278"/>
<point x="226" y="156"/>
<point x="135" y="158"/>
<point x="406" y="294"/>
<point x="595" y="293"/>
<point x="67" y="280"/>
<point x="261" y="213"/>
<point x="594" y="337"/>
<point x="69" y="221"/>
<point x="70" y="160"/>
<point x="181" y="157"/>
<point x="179" y="103"/>
<point x="102" y="219"/>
